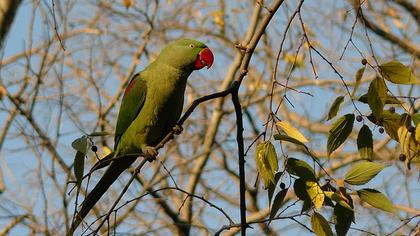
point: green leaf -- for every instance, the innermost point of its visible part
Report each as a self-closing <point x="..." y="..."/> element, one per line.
<point x="300" y="189"/>
<point x="343" y="218"/>
<point x="300" y="168"/>
<point x="99" y="134"/>
<point x="377" y="96"/>
<point x="315" y="193"/>
<point x="320" y="225"/>
<point x="339" y="132"/>
<point x="277" y="203"/>
<point x="365" y="143"/>
<point x="338" y="198"/>
<point x="391" y="123"/>
<point x="328" y="200"/>
<point x="266" y="160"/>
<point x="359" y="75"/>
<point x="391" y="128"/>
<point x="80" y="144"/>
<point x="78" y="167"/>
<point x="272" y="186"/>
<point x="392" y="100"/>
<point x="376" y="199"/>
<point x="342" y="201"/>
<point x="416" y="118"/>
<point x="363" y="98"/>
<point x="306" y="206"/>
<point x="387" y="115"/>
<point x="398" y="73"/>
<point x="362" y="172"/>
<point x="388" y="100"/>
<point x="329" y="191"/>
<point x="335" y="107"/>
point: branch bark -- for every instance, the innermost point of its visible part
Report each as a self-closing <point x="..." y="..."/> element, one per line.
<point x="8" y="9"/>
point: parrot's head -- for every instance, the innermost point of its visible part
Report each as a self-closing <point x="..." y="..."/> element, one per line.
<point x="187" y="54"/>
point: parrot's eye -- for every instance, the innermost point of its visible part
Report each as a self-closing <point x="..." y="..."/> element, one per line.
<point x="191" y="45"/>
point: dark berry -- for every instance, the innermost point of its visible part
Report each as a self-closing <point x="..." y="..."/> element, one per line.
<point x="282" y="186"/>
<point x="392" y="109"/>
<point x="359" y="118"/>
<point x="381" y="130"/>
<point x="411" y="129"/>
<point x="364" y="61"/>
<point x="94" y="148"/>
<point x="402" y="157"/>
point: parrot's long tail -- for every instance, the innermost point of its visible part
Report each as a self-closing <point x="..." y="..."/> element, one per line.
<point x="111" y="174"/>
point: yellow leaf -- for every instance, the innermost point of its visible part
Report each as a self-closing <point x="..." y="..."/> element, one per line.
<point x="320" y="225"/>
<point x="291" y="131"/>
<point x="404" y="140"/>
<point x="266" y="160"/>
<point x="398" y="73"/>
<point x="106" y="150"/>
<point x="418" y="133"/>
<point x="315" y="193"/>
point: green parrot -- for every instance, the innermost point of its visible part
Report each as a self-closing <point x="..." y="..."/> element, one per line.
<point x="151" y="105"/>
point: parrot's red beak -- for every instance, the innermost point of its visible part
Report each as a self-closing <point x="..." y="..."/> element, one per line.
<point x="204" y="58"/>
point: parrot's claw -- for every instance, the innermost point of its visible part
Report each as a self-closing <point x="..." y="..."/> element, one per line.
<point x="177" y="129"/>
<point x="150" y="153"/>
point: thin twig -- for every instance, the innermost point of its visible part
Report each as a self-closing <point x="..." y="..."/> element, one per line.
<point x="55" y="26"/>
<point x="405" y="222"/>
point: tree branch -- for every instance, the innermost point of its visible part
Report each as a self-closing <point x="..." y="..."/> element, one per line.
<point x="8" y="9"/>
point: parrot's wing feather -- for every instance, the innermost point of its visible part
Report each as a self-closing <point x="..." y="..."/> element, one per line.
<point x="132" y="102"/>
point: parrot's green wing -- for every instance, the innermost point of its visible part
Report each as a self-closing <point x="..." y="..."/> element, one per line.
<point x="131" y="104"/>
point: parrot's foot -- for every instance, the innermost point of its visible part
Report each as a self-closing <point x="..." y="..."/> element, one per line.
<point x="150" y="153"/>
<point x="177" y="129"/>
